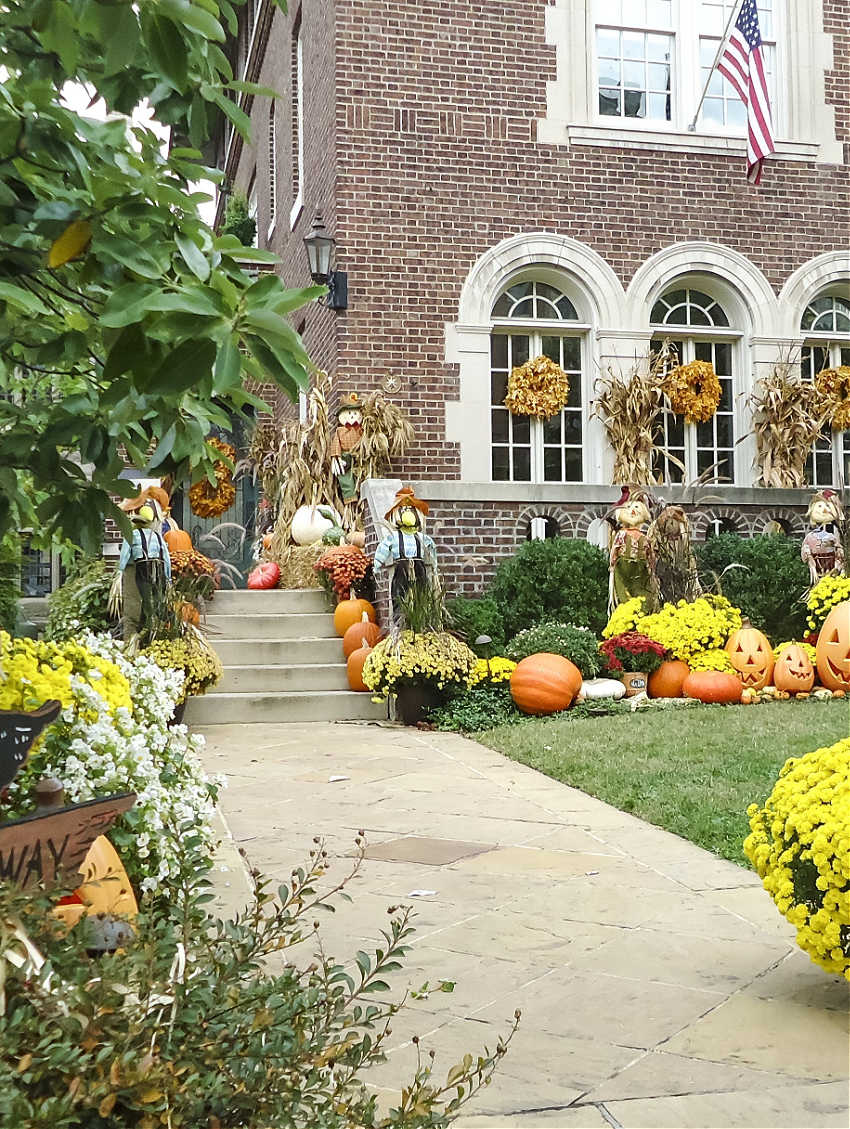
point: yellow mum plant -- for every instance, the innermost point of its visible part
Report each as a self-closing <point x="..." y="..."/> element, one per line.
<point x="799" y="845"/>
<point x="493" y="671"/>
<point x="34" y="671"/>
<point x="714" y="659"/>
<point x="688" y="629"/>
<point x="432" y="658"/>
<point x="807" y="647"/>
<point x="625" y="617"/>
<point x="200" y="664"/>
<point x="829" y="591"/>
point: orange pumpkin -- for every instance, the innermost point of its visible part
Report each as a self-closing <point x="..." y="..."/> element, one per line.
<point x="833" y="648"/>
<point x="712" y="686"/>
<point x="793" y="670"/>
<point x="751" y="655"/>
<point x="354" y="667"/>
<point x="350" y="612"/>
<point x="189" y="613"/>
<point x="545" y="683"/>
<point x="178" y="541"/>
<point x="667" y="681"/>
<point x="359" y="633"/>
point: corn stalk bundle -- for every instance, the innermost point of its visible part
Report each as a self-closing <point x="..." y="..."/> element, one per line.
<point x="629" y="406"/>
<point x="387" y="433"/>
<point x="788" y="415"/>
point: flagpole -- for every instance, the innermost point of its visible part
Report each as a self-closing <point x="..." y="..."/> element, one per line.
<point x="736" y="8"/>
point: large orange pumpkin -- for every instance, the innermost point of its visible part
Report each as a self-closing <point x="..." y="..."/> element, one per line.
<point x="354" y="667"/>
<point x="545" y="683"/>
<point x="359" y="633"/>
<point x="712" y="686"/>
<point x="667" y="681"/>
<point x="751" y="655"/>
<point x="349" y="612"/>
<point x="178" y="541"/>
<point x="833" y="648"/>
<point x="793" y="670"/>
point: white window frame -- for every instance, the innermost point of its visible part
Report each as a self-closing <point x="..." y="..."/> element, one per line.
<point x="298" y="79"/>
<point x="272" y="167"/>
<point x="836" y="345"/>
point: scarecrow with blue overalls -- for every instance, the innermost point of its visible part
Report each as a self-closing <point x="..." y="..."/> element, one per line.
<point x="406" y="549"/>
<point x="144" y="564"/>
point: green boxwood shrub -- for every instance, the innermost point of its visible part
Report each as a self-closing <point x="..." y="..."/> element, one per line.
<point x="768" y="589"/>
<point x="10" y="582"/>
<point x="482" y="707"/>
<point x="578" y="644"/>
<point x="559" y="579"/>
<point x="471" y="618"/>
<point x="81" y="603"/>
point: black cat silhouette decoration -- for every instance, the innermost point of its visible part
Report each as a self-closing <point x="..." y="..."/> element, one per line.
<point x="18" y="732"/>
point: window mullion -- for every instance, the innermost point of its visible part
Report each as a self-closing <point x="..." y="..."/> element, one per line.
<point x="535" y="348"/>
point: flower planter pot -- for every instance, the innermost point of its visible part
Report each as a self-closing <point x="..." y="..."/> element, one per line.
<point x="635" y="682"/>
<point x="411" y="702"/>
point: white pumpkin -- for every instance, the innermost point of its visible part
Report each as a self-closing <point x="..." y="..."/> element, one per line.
<point x="310" y="522"/>
<point x="602" y="688"/>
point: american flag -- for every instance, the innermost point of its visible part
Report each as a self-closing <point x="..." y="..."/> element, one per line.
<point x="743" y="64"/>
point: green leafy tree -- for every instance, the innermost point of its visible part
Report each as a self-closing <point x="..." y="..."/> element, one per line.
<point x="126" y="323"/>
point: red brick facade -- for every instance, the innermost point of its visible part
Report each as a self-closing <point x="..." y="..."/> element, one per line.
<point x="421" y="151"/>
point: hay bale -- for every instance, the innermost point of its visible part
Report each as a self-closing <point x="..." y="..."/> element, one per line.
<point x="296" y="565"/>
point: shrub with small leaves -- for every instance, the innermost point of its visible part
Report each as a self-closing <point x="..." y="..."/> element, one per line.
<point x="473" y="618"/>
<point x="482" y="707"/>
<point x="81" y="602"/>
<point x="578" y="644"/>
<point x="558" y="579"/>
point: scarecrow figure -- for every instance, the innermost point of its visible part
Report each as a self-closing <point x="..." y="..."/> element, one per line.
<point x="407" y="550"/>
<point x="346" y="437"/>
<point x="632" y="558"/>
<point x="822" y="548"/>
<point x="676" y="572"/>
<point x="144" y="564"/>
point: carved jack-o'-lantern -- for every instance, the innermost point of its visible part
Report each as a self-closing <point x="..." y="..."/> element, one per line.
<point x="833" y="649"/>
<point x="793" y="671"/>
<point x="751" y="655"/>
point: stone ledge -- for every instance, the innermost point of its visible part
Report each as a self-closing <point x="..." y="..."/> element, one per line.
<point x="522" y="493"/>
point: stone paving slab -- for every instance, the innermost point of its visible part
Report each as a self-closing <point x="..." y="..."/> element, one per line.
<point x="658" y="984"/>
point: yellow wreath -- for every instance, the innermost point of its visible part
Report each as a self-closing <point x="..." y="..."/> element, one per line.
<point x="212" y="501"/>
<point x="538" y="388"/>
<point x="693" y="391"/>
<point x="833" y="384"/>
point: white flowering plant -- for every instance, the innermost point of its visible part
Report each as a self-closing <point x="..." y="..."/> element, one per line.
<point x="96" y="748"/>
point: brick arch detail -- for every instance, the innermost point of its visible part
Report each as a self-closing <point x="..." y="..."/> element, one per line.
<point x="785" y="515"/>
<point x="703" y="518"/>
<point x="566" y="525"/>
<point x="587" y="515"/>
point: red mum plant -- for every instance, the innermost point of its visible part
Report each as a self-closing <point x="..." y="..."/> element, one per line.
<point x="632" y="650"/>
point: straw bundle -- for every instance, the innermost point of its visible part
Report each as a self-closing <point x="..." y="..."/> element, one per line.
<point x="788" y="416"/>
<point x="387" y="433"/>
<point x="629" y="407"/>
<point x="296" y="564"/>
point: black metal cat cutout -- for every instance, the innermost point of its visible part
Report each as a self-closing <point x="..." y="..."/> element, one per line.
<point x="18" y="732"/>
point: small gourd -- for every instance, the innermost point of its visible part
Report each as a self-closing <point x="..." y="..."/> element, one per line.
<point x="592" y="688"/>
<point x="265" y="575"/>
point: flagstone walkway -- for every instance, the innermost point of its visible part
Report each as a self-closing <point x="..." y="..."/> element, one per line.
<point x="658" y="984"/>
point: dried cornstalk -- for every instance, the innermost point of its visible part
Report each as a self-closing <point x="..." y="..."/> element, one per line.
<point x="629" y="406"/>
<point x="788" y="416"/>
<point x="387" y="433"/>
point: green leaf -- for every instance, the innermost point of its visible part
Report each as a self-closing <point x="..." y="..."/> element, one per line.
<point x="167" y="50"/>
<point x="163" y="448"/>
<point x="274" y="368"/>
<point x="56" y="210"/>
<point x="128" y="254"/>
<point x="119" y="30"/>
<point x="237" y="116"/>
<point x="183" y="367"/>
<point x="194" y="17"/>
<point x="252" y="88"/>
<point x="193" y="257"/>
<point x="22" y="298"/>
<point x="228" y="366"/>
<point x="230" y="245"/>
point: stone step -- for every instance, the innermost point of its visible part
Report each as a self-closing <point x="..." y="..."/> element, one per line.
<point x="285" y="625"/>
<point x="257" y="679"/>
<point x="274" y="652"/>
<point x="321" y="705"/>
<point x="270" y="601"/>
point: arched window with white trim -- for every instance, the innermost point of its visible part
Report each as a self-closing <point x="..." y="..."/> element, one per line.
<point x="534" y="317"/>
<point x="826" y="328"/>
<point x="698" y="329"/>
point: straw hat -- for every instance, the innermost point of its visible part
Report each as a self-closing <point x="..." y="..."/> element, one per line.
<point x="404" y="498"/>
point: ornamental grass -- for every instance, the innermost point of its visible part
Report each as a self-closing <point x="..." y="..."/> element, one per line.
<point x="799" y="846"/>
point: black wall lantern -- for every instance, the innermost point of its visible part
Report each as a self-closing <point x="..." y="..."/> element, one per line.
<point x="320" y="248"/>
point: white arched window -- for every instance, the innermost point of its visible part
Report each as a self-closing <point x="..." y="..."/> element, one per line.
<point x="698" y="329"/>
<point x="826" y="329"/>
<point x="532" y="317"/>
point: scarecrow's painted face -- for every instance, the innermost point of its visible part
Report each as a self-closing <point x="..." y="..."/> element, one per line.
<point x="408" y="518"/>
<point x="350" y="417"/>
<point x="633" y="514"/>
<point x="822" y="512"/>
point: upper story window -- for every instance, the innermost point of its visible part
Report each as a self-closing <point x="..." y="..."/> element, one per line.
<point x="698" y="329"/>
<point x="296" y="119"/>
<point x="653" y="58"/>
<point x="533" y="318"/>
<point x="272" y="166"/>
<point x="826" y="326"/>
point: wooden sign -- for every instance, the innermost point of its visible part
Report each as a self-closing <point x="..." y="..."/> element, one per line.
<point x="51" y="847"/>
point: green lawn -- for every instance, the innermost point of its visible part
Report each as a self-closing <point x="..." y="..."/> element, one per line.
<point x="693" y="771"/>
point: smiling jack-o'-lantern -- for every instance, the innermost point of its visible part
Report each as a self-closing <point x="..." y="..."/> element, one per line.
<point x="751" y="655"/>
<point x="833" y="649"/>
<point x="793" y="671"/>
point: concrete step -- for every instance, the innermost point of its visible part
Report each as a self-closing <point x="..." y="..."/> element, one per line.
<point x="257" y="679"/>
<point x="285" y="625"/>
<point x="270" y="601"/>
<point x="322" y="705"/>
<point x="275" y="652"/>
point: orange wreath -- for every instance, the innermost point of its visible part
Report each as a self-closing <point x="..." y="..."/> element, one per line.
<point x="212" y="501"/>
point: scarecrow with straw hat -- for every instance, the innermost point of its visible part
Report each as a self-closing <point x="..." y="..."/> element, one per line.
<point x="823" y="549"/>
<point x="346" y="437"/>
<point x="407" y="550"/>
<point x="144" y="565"/>
<point x="632" y="558"/>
